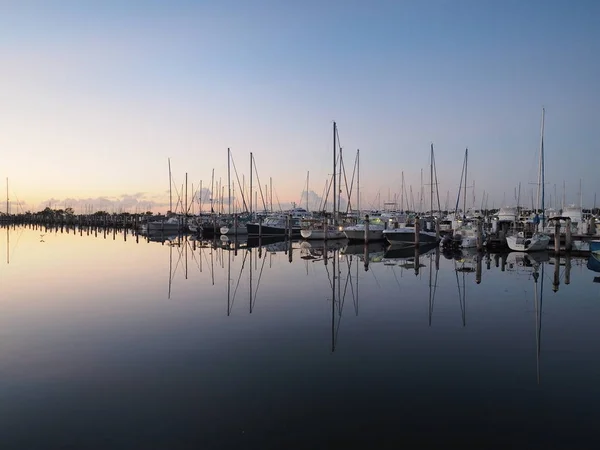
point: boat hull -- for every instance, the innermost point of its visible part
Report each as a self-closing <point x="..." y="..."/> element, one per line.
<point x="406" y="237"/>
<point x="533" y="244"/>
<point x="322" y="234"/>
<point x="231" y="231"/>
<point x="359" y="234"/>
<point x="595" y="246"/>
<point x="253" y="229"/>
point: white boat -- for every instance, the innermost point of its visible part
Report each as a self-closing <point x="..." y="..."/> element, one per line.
<point x="521" y="243"/>
<point x="318" y="229"/>
<point x="162" y="225"/>
<point x="466" y="234"/>
<point x="232" y="231"/>
<point x="405" y="236"/>
<point x="357" y="232"/>
<point x="537" y="241"/>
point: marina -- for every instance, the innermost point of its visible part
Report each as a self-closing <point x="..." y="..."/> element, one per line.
<point x="210" y="330"/>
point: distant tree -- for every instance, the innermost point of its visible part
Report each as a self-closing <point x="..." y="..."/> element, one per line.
<point x="100" y="213"/>
<point x="69" y="211"/>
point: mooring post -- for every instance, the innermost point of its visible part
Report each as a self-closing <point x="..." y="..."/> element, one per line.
<point x="289" y="221"/>
<point x="366" y="237"/>
<point x="417" y="235"/>
<point x="557" y="237"/>
<point x="556" y="280"/>
<point x="478" y="268"/>
<point x="568" y="236"/>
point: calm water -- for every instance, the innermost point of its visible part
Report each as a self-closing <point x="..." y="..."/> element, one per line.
<point x="110" y="343"/>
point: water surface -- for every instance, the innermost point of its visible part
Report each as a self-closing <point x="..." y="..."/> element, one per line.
<point x="108" y="341"/>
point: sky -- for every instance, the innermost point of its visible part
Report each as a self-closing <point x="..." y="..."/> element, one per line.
<point x="97" y="96"/>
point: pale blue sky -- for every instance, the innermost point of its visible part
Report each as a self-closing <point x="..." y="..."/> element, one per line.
<point x="95" y="96"/>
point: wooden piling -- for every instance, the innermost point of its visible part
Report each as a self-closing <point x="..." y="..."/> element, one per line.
<point x="289" y="222"/>
<point x="417" y="236"/>
<point x="366" y="236"/>
<point x="568" y="236"/>
<point x="556" y="280"/>
<point x="568" y="269"/>
<point x="557" y="237"/>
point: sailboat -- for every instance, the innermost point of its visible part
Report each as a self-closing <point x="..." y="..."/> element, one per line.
<point x="522" y="241"/>
<point x="321" y="229"/>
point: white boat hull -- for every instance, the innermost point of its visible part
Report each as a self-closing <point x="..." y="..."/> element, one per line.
<point x="359" y="234"/>
<point x="533" y="244"/>
<point x="322" y="234"/>
<point x="231" y="231"/>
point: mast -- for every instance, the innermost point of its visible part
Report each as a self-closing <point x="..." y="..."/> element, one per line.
<point x="307" y="177"/>
<point x="212" y="190"/>
<point x="271" y="192"/>
<point x="358" y="181"/>
<point x="334" y="178"/>
<point x="250" y="184"/>
<point x="229" y="177"/>
<point x="186" y="194"/>
<point x="541" y="173"/>
<point x="7" y="201"/>
<point x="465" y="192"/>
<point x="170" y="190"/>
<point x="431" y="181"/>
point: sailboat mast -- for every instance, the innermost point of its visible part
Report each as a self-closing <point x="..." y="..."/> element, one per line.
<point x="250" y="183"/>
<point x="271" y="192"/>
<point x="229" y="177"/>
<point x="431" y="181"/>
<point x="358" y="181"/>
<point x="212" y="190"/>
<point x="307" y="178"/>
<point x="334" y="177"/>
<point x="170" y="190"/>
<point x="465" y="192"/>
<point x="541" y="172"/>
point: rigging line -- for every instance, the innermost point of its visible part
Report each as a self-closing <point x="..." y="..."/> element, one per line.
<point x="239" y="184"/>
<point x="258" y="282"/>
<point x="349" y="206"/>
<point x="278" y="204"/>
<point x="376" y="280"/>
<point x="343" y="167"/>
<point x="345" y="289"/>
<point x="259" y="185"/>
<point x="396" y="277"/>
<point x="329" y="277"/>
<point x="238" y="280"/>
<point x="350" y="276"/>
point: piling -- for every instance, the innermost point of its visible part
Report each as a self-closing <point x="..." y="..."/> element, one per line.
<point x="568" y="269"/>
<point x="417" y="236"/>
<point x="417" y="262"/>
<point x="366" y="255"/>
<point x="557" y="237"/>
<point x="289" y="221"/>
<point x="290" y="251"/>
<point x="556" y="280"/>
<point x="479" y="236"/>
<point x="366" y="230"/>
<point x="592" y="226"/>
<point x="568" y="236"/>
<point x="478" y="268"/>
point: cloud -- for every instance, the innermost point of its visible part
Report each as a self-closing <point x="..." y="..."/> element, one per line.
<point x="132" y="203"/>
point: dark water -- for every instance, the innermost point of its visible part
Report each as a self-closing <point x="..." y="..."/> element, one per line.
<point x="110" y="343"/>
